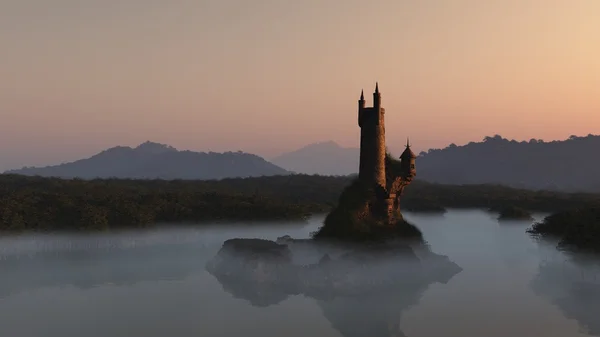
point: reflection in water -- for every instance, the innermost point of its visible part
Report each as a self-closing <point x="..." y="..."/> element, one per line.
<point x="155" y="284"/>
<point x="572" y="282"/>
<point x="361" y="292"/>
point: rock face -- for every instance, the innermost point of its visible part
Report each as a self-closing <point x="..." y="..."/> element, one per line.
<point x="359" y="216"/>
<point x="361" y="289"/>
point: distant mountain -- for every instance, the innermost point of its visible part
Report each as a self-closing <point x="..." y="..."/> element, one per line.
<point x="152" y="160"/>
<point x="325" y="158"/>
<point x="568" y="165"/>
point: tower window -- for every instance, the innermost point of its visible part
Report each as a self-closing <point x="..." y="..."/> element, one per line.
<point x="412" y="166"/>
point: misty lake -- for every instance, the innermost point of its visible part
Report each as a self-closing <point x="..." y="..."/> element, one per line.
<point x="154" y="283"/>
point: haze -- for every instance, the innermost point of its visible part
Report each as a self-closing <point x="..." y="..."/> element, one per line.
<point x="268" y="76"/>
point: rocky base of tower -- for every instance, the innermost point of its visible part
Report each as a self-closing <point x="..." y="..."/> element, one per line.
<point x="359" y="217"/>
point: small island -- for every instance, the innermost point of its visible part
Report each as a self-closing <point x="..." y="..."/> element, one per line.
<point x="577" y="229"/>
<point x="369" y="208"/>
<point x="511" y="213"/>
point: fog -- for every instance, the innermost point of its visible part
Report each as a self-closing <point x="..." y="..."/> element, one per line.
<point x="475" y="276"/>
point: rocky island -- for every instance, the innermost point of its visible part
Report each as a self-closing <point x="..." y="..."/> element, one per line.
<point x="370" y="207"/>
<point x="365" y="258"/>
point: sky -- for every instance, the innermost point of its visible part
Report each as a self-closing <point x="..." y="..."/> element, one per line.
<point x="270" y="76"/>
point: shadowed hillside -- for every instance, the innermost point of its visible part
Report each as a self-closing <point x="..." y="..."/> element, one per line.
<point x="153" y="160"/>
<point x="569" y="165"/>
<point x="532" y="164"/>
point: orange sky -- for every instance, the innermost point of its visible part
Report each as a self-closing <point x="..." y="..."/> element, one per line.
<point x="267" y="76"/>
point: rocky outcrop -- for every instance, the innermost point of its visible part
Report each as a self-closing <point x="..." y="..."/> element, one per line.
<point x="359" y="217"/>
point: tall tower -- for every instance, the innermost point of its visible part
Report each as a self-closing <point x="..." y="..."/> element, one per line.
<point x="372" y="140"/>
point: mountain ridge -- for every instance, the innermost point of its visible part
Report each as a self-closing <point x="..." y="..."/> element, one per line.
<point x="151" y="160"/>
<point x="560" y="165"/>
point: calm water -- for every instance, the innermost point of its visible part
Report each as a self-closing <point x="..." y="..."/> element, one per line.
<point x="154" y="284"/>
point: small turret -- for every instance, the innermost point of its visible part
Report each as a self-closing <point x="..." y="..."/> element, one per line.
<point x="376" y="97"/>
<point x="361" y="107"/>
<point x="407" y="160"/>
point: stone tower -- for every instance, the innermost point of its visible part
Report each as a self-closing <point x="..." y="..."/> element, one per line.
<point x="372" y="141"/>
<point x="370" y="206"/>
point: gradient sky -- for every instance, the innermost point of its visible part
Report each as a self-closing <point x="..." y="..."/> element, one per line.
<point x="268" y="76"/>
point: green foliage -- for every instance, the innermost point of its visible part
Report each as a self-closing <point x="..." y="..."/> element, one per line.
<point x="492" y="196"/>
<point x="48" y="204"/>
<point x="567" y="165"/>
<point x="393" y="167"/>
<point x="579" y="228"/>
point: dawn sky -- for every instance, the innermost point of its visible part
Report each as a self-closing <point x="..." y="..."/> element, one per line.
<point x="268" y="76"/>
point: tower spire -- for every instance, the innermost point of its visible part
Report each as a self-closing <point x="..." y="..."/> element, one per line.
<point x="376" y="87"/>
<point x="362" y="95"/>
<point x="407" y="142"/>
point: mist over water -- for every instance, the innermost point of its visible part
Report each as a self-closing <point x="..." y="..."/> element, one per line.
<point x="154" y="283"/>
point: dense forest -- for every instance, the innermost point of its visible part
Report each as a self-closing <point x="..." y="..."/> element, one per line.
<point x="574" y="228"/>
<point x="35" y="203"/>
<point x="566" y="165"/>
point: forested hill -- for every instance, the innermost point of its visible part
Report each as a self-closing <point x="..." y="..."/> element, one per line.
<point x="153" y="160"/>
<point x="568" y="165"/>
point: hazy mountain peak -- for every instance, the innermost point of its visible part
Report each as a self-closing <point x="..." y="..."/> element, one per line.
<point x="329" y="144"/>
<point x="154" y="148"/>
<point x="325" y="157"/>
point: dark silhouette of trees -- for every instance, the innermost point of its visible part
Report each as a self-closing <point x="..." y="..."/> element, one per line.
<point x="577" y="228"/>
<point x="50" y="204"/>
<point x="568" y="165"/>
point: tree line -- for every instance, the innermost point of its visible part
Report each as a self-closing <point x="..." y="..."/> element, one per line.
<point x="53" y="204"/>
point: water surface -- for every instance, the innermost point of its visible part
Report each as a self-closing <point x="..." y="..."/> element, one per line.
<point x="154" y="283"/>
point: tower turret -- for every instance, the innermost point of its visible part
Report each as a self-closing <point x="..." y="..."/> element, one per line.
<point x="372" y="141"/>
<point x="361" y="107"/>
<point x="407" y="160"/>
<point x="376" y="97"/>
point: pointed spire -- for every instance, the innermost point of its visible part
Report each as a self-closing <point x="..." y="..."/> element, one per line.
<point x="362" y="95"/>
<point x="376" y="87"/>
<point x="407" y="154"/>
